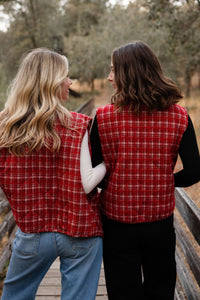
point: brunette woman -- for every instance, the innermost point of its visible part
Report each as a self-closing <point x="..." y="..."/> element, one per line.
<point x="141" y="133"/>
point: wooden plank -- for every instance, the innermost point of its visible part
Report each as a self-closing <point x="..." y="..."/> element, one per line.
<point x="185" y="278"/>
<point x="50" y="290"/>
<point x="47" y="297"/>
<point x="58" y="298"/>
<point x="101" y="290"/>
<point x="56" y="279"/>
<point x="51" y="281"/>
<point x="86" y="108"/>
<point x="102" y="281"/>
<point x="3" y="204"/>
<point x="55" y="290"/>
<point x="189" y="212"/>
<point x="7" y="224"/>
<point x="179" y="295"/>
<point x="188" y="250"/>
<point x="6" y="253"/>
<point x="50" y="287"/>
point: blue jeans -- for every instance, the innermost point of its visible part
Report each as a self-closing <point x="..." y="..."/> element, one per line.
<point x="33" y="254"/>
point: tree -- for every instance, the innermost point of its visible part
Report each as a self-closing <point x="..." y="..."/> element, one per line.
<point x="81" y="15"/>
<point x="33" y="23"/>
<point x="182" y="23"/>
<point x="82" y="46"/>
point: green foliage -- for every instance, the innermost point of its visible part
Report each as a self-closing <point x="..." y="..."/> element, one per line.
<point x="87" y="31"/>
<point x="81" y="15"/>
<point x="181" y="22"/>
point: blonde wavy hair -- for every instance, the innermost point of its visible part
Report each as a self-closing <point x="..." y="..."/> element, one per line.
<point x="27" y="122"/>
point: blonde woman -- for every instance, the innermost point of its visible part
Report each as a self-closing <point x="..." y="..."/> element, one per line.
<point x="46" y="174"/>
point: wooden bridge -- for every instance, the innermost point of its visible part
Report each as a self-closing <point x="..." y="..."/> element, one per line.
<point x="50" y="287"/>
<point x="187" y="224"/>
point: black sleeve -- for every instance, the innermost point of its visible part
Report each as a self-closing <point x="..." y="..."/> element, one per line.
<point x="97" y="156"/>
<point x="189" y="154"/>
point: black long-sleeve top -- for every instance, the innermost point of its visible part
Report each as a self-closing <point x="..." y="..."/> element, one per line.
<point x="188" y="152"/>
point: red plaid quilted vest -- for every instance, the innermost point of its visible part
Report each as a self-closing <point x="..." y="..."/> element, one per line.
<point x="45" y="189"/>
<point x="140" y="152"/>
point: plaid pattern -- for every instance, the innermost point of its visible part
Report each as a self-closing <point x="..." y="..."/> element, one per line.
<point x="45" y="189"/>
<point x="140" y="153"/>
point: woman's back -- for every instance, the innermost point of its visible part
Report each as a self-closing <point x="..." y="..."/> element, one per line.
<point x="140" y="151"/>
<point x="45" y="188"/>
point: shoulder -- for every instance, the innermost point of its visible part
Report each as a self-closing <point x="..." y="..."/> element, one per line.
<point x="105" y="112"/>
<point x="105" y="108"/>
<point x="179" y="113"/>
<point x="80" y="118"/>
<point x="178" y="109"/>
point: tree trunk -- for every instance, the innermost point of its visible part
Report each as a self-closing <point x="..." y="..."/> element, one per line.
<point x="188" y="82"/>
<point x="92" y="85"/>
<point x="31" y="24"/>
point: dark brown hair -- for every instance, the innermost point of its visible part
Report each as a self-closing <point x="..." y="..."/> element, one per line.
<point x="140" y="80"/>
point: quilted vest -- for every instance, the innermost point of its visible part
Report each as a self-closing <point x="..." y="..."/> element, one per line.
<point x="140" y="152"/>
<point x="45" y="190"/>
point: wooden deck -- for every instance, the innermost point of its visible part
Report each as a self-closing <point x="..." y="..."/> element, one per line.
<point x="50" y="287"/>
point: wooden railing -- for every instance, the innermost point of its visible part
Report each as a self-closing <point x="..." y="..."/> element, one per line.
<point x="187" y="224"/>
<point x="7" y="230"/>
<point x="86" y="108"/>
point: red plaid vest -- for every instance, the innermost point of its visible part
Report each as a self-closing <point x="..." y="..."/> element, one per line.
<point x="45" y="189"/>
<point x="140" y="153"/>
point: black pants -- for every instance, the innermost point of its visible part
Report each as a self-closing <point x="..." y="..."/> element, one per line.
<point x="139" y="260"/>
